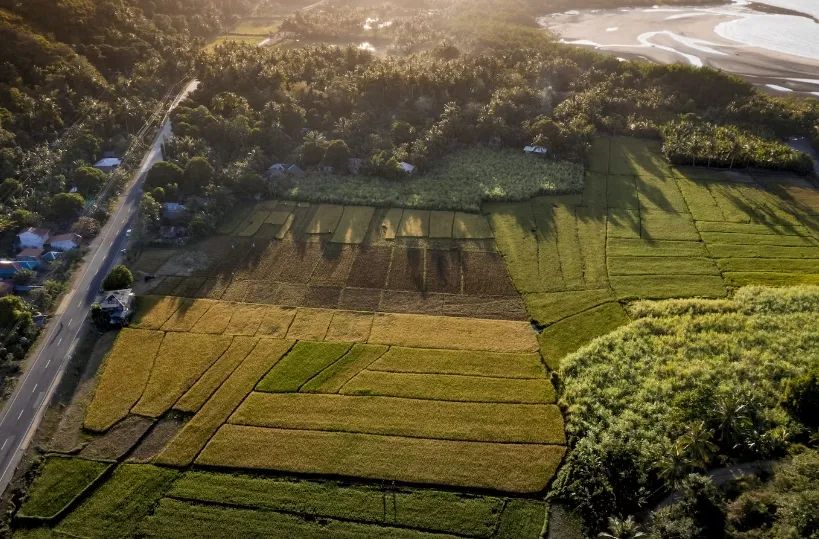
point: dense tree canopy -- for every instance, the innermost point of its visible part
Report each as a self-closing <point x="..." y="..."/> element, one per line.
<point x="120" y="277"/>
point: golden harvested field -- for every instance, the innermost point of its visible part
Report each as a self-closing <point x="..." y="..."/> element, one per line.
<point x="448" y="387"/>
<point x="124" y="377"/>
<point x="192" y="438"/>
<point x="181" y="361"/>
<point x="428" y="361"/>
<point x="522" y="468"/>
<point x="215" y="376"/>
<point x="310" y="324"/>
<point x="487" y="422"/>
<point x="480" y="393"/>
<point x="414" y="330"/>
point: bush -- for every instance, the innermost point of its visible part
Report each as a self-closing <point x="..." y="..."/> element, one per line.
<point x="87" y="227"/>
<point x="690" y="141"/>
<point x="119" y="278"/>
<point x="88" y="180"/>
<point x="801" y="399"/>
<point x="23" y="277"/>
<point x="163" y="174"/>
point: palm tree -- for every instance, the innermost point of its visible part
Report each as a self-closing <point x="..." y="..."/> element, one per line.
<point x="622" y="529"/>
<point x="734" y="420"/>
<point x="698" y="445"/>
<point x="674" y="464"/>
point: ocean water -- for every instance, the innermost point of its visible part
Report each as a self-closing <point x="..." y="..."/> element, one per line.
<point x="798" y="36"/>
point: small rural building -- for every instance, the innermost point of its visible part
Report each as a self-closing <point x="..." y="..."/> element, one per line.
<point x="50" y="257"/>
<point x="407" y="167"/>
<point x="355" y="164"/>
<point x="108" y="164"/>
<point x="66" y="242"/>
<point x="171" y="232"/>
<point x="173" y="210"/>
<point x="10" y="268"/>
<point x="33" y="238"/>
<point x="283" y="169"/>
<point x="117" y="306"/>
<point x="29" y="258"/>
<point x="276" y="171"/>
<point x="535" y="150"/>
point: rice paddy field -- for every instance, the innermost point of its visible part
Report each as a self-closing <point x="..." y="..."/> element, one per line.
<point x="339" y="370"/>
<point x="345" y="257"/>
<point x="643" y="230"/>
<point x="437" y="436"/>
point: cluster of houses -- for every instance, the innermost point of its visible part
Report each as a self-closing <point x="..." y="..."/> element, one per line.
<point x="38" y="247"/>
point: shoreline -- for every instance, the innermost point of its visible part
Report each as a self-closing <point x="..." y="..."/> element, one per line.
<point x="687" y="35"/>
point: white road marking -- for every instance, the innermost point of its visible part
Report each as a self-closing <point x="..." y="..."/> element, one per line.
<point x="20" y="415"/>
<point x="59" y="341"/>
<point x="4" y="444"/>
<point x="79" y="303"/>
<point x="48" y="363"/>
<point x="34" y="388"/>
<point x="69" y="323"/>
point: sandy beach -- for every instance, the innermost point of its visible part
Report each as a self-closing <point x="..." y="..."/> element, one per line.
<point x="778" y="51"/>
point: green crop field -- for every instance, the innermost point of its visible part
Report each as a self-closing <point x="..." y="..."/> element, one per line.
<point x="461" y="181"/>
<point x="60" y="481"/>
<point x="117" y="506"/>
<point x="641" y="229"/>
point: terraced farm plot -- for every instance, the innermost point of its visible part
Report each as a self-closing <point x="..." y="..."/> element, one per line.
<point x="332" y="256"/>
<point x="60" y="481"/>
<point x="643" y="230"/>
<point x="524" y="468"/>
<point x="477" y="393"/>
<point x="124" y="377"/>
<point x="118" y="505"/>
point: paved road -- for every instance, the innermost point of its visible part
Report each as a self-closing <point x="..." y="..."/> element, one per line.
<point x="48" y="360"/>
